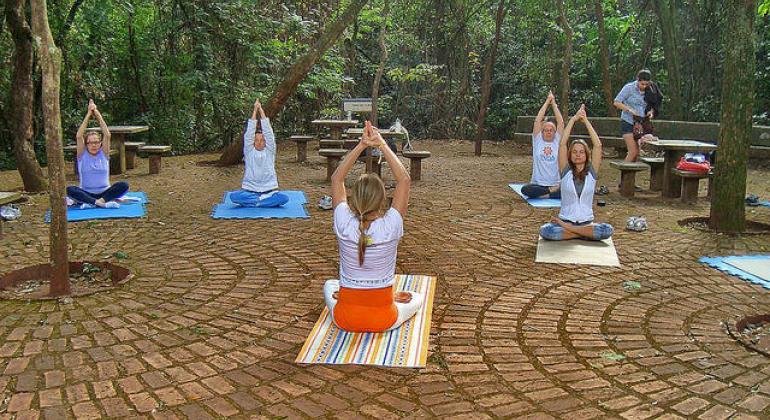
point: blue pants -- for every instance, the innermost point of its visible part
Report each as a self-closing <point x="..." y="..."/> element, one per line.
<point x="115" y="191"/>
<point x="255" y="199"/>
<point x="553" y="232"/>
<point x="537" y="191"/>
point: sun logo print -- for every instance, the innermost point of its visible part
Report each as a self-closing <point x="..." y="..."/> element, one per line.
<point x="547" y="151"/>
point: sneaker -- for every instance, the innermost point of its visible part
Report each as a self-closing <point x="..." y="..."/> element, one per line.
<point x="752" y="200"/>
<point x="9" y="212"/>
<point x="638" y="188"/>
<point x="111" y="205"/>
<point x="603" y="190"/>
<point x="69" y="202"/>
<point x="85" y="206"/>
<point x="636" y="224"/>
<point x="325" y="203"/>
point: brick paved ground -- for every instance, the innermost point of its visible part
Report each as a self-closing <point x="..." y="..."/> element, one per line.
<point x="218" y="310"/>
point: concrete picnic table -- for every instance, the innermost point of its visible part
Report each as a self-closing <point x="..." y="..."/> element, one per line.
<point x="673" y="150"/>
<point x="336" y="127"/>
<point x="118" y="134"/>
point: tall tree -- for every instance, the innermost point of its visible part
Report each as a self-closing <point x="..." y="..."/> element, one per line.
<point x="22" y="98"/>
<point x="486" y="82"/>
<point x="50" y="65"/>
<point x="665" y="10"/>
<point x="383" y="59"/>
<point x="566" y="57"/>
<point x="233" y="153"/>
<point x="728" y="212"/>
<point x="604" y="53"/>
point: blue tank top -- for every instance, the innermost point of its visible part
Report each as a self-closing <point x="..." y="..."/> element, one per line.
<point x="94" y="172"/>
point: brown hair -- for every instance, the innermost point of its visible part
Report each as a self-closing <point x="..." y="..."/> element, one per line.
<point x="367" y="199"/>
<point x="90" y="134"/>
<point x="582" y="174"/>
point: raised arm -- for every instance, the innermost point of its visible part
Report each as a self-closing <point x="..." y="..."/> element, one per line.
<point x="339" y="195"/>
<point x="106" y="135"/>
<point x="80" y="139"/>
<point x="596" y="149"/>
<point x="557" y="114"/>
<point x="251" y="128"/>
<point x="563" y="152"/>
<point x="267" y="131"/>
<point x="537" y="127"/>
<point x="403" y="181"/>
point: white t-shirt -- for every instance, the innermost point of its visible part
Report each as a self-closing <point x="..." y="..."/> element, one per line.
<point x="380" y="256"/>
<point x="545" y="160"/>
<point x="259" y="175"/>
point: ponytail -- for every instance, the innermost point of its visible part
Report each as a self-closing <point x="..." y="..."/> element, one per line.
<point x="361" y="240"/>
<point x="367" y="198"/>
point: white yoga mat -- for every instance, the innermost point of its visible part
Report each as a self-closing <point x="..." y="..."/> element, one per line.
<point x="754" y="266"/>
<point x="577" y="251"/>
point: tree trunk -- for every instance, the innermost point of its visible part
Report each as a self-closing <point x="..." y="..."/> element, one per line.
<point x="486" y="82"/>
<point x="143" y="107"/>
<point x="50" y="64"/>
<point x="233" y="153"/>
<point x="22" y="101"/>
<point x="604" y="52"/>
<point x="666" y="13"/>
<point x="383" y="59"/>
<point x="728" y="212"/>
<point x="566" y="58"/>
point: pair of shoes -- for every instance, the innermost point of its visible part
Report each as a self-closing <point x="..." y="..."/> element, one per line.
<point x="637" y="188"/>
<point x="636" y="224"/>
<point x="603" y="190"/>
<point x="325" y="203"/>
<point x="752" y="200"/>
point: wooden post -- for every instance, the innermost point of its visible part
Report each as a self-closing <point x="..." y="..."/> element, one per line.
<point x="301" y="150"/>
<point x="155" y="164"/>
<point x="627" y="183"/>
<point x="331" y="166"/>
<point x="690" y="190"/>
<point x="415" y="169"/>
<point x="130" y="156"/>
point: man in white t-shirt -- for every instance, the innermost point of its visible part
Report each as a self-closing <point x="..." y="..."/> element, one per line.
<point x="545" y="152"/>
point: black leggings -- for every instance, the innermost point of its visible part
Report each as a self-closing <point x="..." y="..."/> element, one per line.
<point x="115" y="190"/>
<point x="537" y="191"/>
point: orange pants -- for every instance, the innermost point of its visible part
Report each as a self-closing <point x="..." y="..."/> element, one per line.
<point x="365" y="310"/>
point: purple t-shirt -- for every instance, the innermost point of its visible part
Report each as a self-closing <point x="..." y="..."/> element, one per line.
<point x="94" y="172"/>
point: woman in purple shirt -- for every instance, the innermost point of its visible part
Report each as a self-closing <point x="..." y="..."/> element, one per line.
<point x="93" y="155"/>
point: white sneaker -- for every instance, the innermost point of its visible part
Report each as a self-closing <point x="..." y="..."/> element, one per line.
<point x="325" y="203"/>
<point x="69" y="202"/>
<point x="85" y="206"/>
<point x="111" y="205"/>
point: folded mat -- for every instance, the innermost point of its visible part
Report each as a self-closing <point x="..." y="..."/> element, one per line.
<point x="132" y="207"/>
<point x="753" y="268"/>
<point x="293" y="209"/>
<point x="406" y="346"/>
<point x="577" y="251"/>
<point x="536" y="202"/>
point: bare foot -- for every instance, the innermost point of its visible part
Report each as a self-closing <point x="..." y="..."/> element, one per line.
<point x="556" y="220"/>
<point x="402" y="297"/>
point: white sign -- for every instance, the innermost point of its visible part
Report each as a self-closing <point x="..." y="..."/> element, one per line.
<point x="357" y="105"/>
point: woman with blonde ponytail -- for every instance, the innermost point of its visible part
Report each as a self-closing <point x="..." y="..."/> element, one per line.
<point x="362" y="300"/>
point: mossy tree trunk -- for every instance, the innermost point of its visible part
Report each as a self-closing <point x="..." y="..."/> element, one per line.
<point x="50" y="65"/>
<point x="728" y="212"/>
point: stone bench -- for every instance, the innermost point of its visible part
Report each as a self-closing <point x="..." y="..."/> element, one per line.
<point x="131" y="148"/>
<point x="333" y="157"/>
<point x="656" y="172"/>
<point x="690" y="182"/>
<point x="628" y="172"/>
<point x="331" y="144"/>
<point x="301" y="142"/>
<point x="156" y="154"/>
<point x="415" y="162"/>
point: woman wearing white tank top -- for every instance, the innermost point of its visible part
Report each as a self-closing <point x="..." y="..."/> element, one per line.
<point x="579" y="165"/>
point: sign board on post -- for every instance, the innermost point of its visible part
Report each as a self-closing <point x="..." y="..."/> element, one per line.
<point x="357" y="105"/>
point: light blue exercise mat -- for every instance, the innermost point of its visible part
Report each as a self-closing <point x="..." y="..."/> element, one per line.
<point x="536" y="202"/>
<point x="294" y="209"/>
<point x="753" y="268"/>
<point x="128" y="210"/>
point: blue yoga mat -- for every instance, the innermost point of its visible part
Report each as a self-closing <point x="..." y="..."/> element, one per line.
<point x="536" y="202"/>
<point x="722" y="264"/>
<point x="127" y="210"/>
<point x="294" y="209"/>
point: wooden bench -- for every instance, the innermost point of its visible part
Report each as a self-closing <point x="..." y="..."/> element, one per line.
<point x="415" y="162"/>
<point x="302" y="142"/>
<point x="156" y="153"/>
<point x="333" y="157"/>
<point x="656" y="172"/>
<point x="628" y="172"/>
<point x="7" y="198"/>
<point x="690" y="182"/>
<point x="131" y="148"/>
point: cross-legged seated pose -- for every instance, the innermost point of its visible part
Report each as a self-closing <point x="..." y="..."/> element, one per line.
<point x="579" y="165"/>
<point x="362" y="300"/>
<point x="260" y="183"/>
<point x="545" y="151"/>
<point x="93" y="155"/>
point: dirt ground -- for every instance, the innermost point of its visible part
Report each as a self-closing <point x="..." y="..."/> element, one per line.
<point x="219" y="309"/>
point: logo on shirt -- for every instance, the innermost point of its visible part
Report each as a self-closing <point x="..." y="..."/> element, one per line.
<point x="547" y="154"/>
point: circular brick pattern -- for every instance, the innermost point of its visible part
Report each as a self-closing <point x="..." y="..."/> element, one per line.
<point x="218" y="310"/>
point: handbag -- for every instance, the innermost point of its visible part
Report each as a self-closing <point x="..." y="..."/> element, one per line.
<point x="690" y="164"/>
<point x="642" y="126"/>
